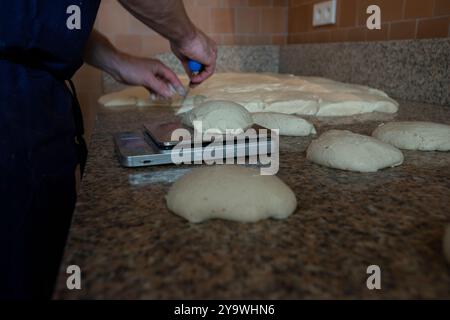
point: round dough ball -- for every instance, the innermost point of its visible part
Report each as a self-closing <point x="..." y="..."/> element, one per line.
<point x="288" y="125"/>
<point x="345" y="150"/>
<point x="190" y="103"/>
<point x="446" y="244"/>
<point x="219" y="115"/>
<point x="415" y="135"/>
<point x="230" y="192"/>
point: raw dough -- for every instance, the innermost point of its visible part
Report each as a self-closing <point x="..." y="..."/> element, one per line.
<point x="219" y="115"/>
<point x="289" y="125"/>
<point x="284" y="93"/>
<point x="138" y="96"/>
<point x="415" y="135"/>
<point x="230" y="192"/>
<point x="141" y="97"/>
<point x="342" y="149"/>
<point x="446" y="244"/>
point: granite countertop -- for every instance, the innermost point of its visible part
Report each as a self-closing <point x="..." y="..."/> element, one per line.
<point x="129" y="245"/>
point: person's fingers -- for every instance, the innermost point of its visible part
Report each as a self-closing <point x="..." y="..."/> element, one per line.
<point x="158" y="86"/>
<point x="153" y="96"/>
<point x="183" y="60"/>
<point x="167" y="75"/>
<point x="202" y="76"/>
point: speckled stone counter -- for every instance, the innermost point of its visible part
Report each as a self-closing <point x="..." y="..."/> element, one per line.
<point x="128" y="245"/>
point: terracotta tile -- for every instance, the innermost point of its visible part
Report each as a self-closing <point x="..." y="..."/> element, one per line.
<point x="418" y="8"/>
<point x="234" y="3"/>
<point x="280" y="3"/>
<point x="294" y="3"/>
<point x="320" y="36"/>
<point x="130" y="43"/>
<point x="279" y="39"/>
<point x="378" y="34"/>
<point x="259" y="39"/>
<point x="297" y="38"/>
<point x="292" y="38"/>
<point x="433" y="28"/>
<point x="137" y="27"/>
<point x="307" y="37"/>
<point x="228" y="39"/>
<point x="260" y="3"/>
<point x="88" y="78"/>
<point x="274" y="20"/>
<point x="339" y="35"/>
<point x="247" y="20"/>
<point x="441" y="7"/>
<point x="222" y="20"/>
<point x="391" y="10"/>
<point x="112" y="18"/>
<point x="218" y="38"/>
<point x="153" y="45"/>
<point x="208" y="3"/>
<point x="200" y="16"/>
<point x="402" y="30"/>
<point x="241" y="39"/>
<point x="298" y="19"/>
<point x="357" y="34"/>
<point x="347" y="13"/>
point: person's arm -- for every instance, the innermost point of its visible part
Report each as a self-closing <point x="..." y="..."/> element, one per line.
<point x="169" y="18"/>
<point x="150" y="73"/>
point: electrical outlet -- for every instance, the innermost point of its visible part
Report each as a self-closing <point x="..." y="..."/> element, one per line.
<point x="324" y="13"/>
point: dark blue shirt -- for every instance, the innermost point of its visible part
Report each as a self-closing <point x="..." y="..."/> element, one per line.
<point x="36" y="30"/>
<point x="38" y="153"/>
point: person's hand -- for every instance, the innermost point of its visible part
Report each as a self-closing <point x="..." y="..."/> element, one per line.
<point x="200" y="48"/>
<point x="150" y="73"/>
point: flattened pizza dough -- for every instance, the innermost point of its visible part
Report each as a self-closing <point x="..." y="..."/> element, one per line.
<point x="289" y="125"/>
<point x="415" y="135"/>
<point x="138" y="96"/>
<point x="230" y="192"/>
<point x="141" y="97"/>
<point x="289" y="94"/>
<point x="345" y="150"/>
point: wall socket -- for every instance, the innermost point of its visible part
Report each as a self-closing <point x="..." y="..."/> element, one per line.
<point x="324" y="13"/>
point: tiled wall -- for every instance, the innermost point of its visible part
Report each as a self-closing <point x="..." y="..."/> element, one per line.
<point x="226" y="21"/>
<point x="401" y="19"/>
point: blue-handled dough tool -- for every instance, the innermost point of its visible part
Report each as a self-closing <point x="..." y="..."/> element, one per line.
<point x="194" y="67"/>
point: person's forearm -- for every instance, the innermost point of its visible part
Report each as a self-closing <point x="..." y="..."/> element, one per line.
<point x="167" y="17"/>
<point x="100" y="53"/>
<point x="150" y="73"/>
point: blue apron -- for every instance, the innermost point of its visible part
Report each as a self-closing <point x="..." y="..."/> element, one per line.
<point x="39" y="139"/>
